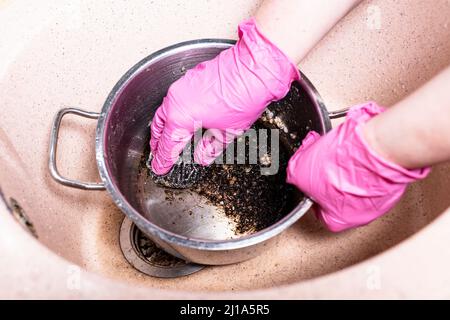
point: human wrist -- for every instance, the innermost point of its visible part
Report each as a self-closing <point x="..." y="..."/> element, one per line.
<point x="268" y="62"/>
<point x="372" y="139"/>
<point x="278" y="38"/>
<point x="384" y="144"/>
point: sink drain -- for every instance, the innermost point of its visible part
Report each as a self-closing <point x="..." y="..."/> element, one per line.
<point x="144" y="255"/>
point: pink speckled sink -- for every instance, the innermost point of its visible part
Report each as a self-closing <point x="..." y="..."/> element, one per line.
<point x="72" y="53"/>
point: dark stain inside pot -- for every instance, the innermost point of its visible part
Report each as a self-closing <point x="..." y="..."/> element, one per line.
<point x="252" y="200"/>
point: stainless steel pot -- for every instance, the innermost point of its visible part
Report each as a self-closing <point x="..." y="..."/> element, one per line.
<point x="122" y="133"/>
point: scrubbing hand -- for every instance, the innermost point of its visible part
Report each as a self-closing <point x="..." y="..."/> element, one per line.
<point x="226" y="94"/>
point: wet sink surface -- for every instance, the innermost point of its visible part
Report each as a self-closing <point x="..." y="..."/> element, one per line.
<point x="57" y="63"/>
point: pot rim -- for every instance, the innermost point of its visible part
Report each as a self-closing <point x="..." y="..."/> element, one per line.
<point x="152" y="229"/>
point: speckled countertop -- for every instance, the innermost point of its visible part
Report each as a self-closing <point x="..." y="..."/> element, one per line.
<point x="72" y="53"/>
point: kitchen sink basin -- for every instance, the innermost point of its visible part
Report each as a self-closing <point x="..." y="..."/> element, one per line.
<point x="71" y="54"/>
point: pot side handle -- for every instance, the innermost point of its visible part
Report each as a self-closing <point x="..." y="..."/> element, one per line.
<point x="338" y="113"/>
<point x="54" y="144"/>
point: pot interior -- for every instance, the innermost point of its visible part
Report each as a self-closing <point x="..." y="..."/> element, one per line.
<point x="131" y="107"/>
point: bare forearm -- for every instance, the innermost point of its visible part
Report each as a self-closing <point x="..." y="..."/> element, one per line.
<point x="296" y="26"/>
<point x="415" y="132"/>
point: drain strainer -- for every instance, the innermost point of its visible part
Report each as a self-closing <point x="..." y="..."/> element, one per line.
<point x="144" y="255"/>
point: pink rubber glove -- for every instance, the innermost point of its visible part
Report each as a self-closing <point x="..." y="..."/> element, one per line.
<point x="350" y="183"/>
<point x="227" y="94"/>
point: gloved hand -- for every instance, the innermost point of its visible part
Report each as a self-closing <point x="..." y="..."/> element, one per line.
<point x="227" y="94"/>
<point x="350" y="183"/>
